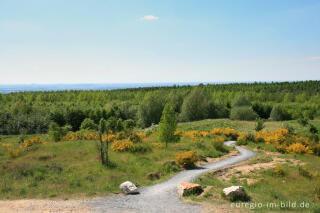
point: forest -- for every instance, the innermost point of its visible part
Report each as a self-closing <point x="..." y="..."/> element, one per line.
<point x="33" y="112"/>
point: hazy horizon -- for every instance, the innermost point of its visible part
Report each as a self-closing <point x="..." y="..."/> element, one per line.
<point x="158" y="82"/>
<point x="9" y="88"/>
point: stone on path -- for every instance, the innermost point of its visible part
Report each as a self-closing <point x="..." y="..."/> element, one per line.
<point x="186" y="188"/>
<point x="128" y="188"/>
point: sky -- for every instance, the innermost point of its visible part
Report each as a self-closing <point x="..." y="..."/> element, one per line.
<point x="151" y="41"/>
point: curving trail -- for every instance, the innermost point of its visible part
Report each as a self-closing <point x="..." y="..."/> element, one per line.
<point x="163" y="197"/>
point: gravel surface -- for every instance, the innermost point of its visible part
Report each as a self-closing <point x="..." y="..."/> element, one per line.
<point x="163" y="197"/>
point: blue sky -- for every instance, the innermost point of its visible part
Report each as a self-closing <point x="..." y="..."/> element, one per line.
<point x="118" y="41"/>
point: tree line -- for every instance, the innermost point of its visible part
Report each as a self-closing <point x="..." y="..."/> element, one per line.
<point x="32" y="112"/>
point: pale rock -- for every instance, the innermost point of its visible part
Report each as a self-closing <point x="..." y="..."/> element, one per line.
<point x="186" y="188"/>
<point x="128" y="188"/>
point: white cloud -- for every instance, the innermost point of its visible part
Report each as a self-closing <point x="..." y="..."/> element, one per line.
<point x="149" y="18"/>
<point x="316" y="58"/>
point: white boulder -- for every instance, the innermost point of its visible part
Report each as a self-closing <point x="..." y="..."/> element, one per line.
<point x="128" y="188"/>
<point x="234" y="191"/>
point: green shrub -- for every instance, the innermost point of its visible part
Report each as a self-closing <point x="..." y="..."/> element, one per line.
<point x="316" y="149"/>
<point x="219" y="145"/>
<point x="140" y="148"/>
<point x="217" y="110"/>
<point x="56" y="132"/>
<point x="194" y="106"/>
<point x="289" y="128"/>
<point x="303" y="121"/>
<point x="88" y="124"/>
<point x="200" y="145"/>
<point x="259" y="125"/>
<point x="134" y="138"/>
<point x="150" y="109"/>
<point x="309" y="114"/>
<point x="278" y="113"/>
<point x="129" y="124"/>
<point x="240" y="101"/>
<point x="263" y="110"/>
<point x="169" y="166"/>
<point x="245" y="113"/>
<point x="313" y="129"/>
<point x="212" y="153"/>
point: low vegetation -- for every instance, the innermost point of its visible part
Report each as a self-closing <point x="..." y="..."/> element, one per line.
<point x="290" y="171"/>
<point x="39" y="167"/>
<point x="72" y="167"/>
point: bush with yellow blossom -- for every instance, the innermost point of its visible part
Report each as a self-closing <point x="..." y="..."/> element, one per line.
<point x="299" y="148"/>
<point x="121" y="145"/>
<point x="285" y="141"/>
<point x="227" y="132"/>
<point x="33" y="141"/>
<point x="187" y="159"/>
<point x="15" y="152"/>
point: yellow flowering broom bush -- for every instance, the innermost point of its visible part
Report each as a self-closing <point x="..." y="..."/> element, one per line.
<point x="227" y="132"/>
<point x="218" y="139"/>
<point x="216" y="131"/>
<point x="142" y="134"/>
<point x="7" y="145"/>
<point x="284" y="141"/>
<point x="71" y="136"/>
<point x="14" y="153"/>
<point x="197" y="140"/>
<point x="299" y="148"/>
<point x="121" y="145"/>
<point x="187" y="159"/>
<point x="89" y="135"/>
<point x="33" y="141"/>
<point x="191" y="134"/>
<point x="157" y="145"/>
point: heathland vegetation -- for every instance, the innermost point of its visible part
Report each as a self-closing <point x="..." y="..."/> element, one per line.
<point x="85" y="143"/>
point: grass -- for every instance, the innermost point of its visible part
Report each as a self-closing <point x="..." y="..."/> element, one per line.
<point x="72" y="169"/>
<point x="260" y="159"/>
<point x="244" y="126"/>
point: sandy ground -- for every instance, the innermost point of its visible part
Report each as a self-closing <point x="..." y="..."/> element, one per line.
<point x="43" y="206"/>
<point x="244" y="168"/>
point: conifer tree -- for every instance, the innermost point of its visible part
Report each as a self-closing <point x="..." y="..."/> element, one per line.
<point x="167" y="125"/>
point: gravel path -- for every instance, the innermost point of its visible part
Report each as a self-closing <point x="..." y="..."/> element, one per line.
<point x="163" y="197"/>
